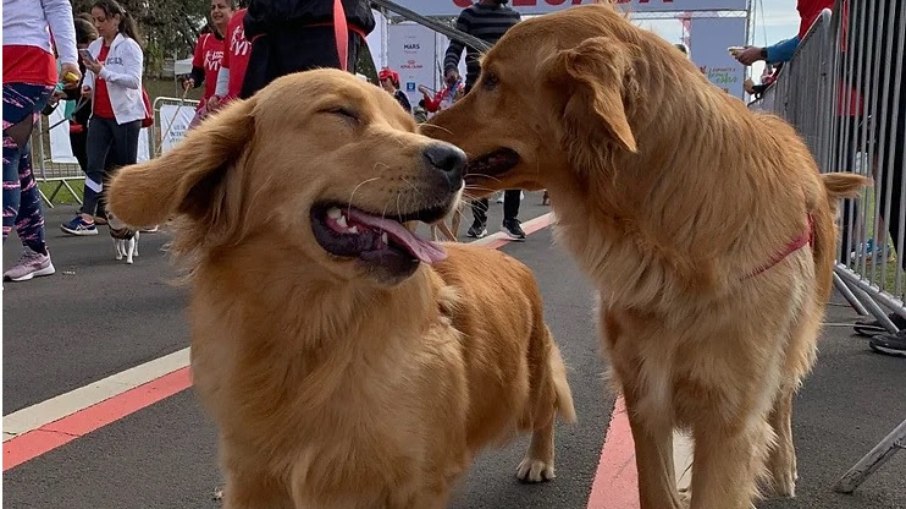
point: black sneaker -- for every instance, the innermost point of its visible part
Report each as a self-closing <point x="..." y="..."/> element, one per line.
<point x="513" y="229"/>
<point x="890" y="344"/>
<point x="477" y="231"/>
<point x="869" y="328"/>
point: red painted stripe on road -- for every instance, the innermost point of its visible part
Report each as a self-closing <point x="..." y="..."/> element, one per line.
<point x="50" y="436"/>
<point x="616" y="484"/>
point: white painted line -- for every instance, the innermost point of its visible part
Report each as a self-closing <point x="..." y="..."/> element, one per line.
<point x="53" y="409"/>
<point x="56" y="408"/>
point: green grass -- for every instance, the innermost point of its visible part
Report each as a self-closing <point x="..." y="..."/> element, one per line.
<point x="63" y="197"/>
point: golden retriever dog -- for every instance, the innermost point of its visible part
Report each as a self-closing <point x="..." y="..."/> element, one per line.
<point x="347" y="363"/>
<point x="706" y="228"/>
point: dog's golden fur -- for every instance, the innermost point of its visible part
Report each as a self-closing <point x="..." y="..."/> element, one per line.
<point x="332" y="386"/>
<point x="674" y="198"/>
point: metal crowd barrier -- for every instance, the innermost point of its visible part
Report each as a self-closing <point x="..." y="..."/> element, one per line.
<point x="844" y="92"/>
<point x="47" y="170"/>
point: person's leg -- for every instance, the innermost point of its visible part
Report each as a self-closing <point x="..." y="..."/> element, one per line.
<point x="100" y="139"/>
<point x="21" y="104"/>
<point x="30" y="221"/>
<point x="511" y="225"/>
<point x="480" y="221"/>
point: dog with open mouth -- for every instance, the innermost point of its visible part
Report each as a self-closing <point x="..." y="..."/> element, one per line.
<point x="706" y="228"/>
<point x="346" y="362"/>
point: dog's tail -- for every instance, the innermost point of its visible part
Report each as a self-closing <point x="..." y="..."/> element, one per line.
<point x="564" y="394"/>
<point x="844" y="185"/>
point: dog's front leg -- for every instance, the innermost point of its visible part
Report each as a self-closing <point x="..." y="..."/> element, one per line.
<point x="130" y="248"/>
<point x="727" y="462"/>
<point x="117" y="246"/>
<point x="653" y="438"/>
<point x="136" y="243"/>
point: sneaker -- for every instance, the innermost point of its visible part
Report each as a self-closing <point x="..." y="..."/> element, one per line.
<point x="477" y="231"/>
<point x="513" y="229"/>
<point x="100" y="220"/>
<point x="870" y="328"/>
<point x="30" y="265"/>
<point x="79" y="226"/>
<point x="890" y="344"/>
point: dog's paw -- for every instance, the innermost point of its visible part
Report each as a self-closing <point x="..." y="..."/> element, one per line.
<point x="783" y="484"/>
<point x="129" y="261"/>
<point x="218" y="494"/>
<point x="118" y="257"/>
<point x="534" y="471"/>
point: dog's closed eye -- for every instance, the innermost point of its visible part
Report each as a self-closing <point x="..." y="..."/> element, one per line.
<point x="346" y="114"/>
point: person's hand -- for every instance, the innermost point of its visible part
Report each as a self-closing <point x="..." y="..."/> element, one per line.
<point x="86" y="91"/>
<point x="214" y="103"/>
<point x="749" y="55"/>
<point x="70" y="75"/>
<point x="94" y="66"/>
<point x="188" y="83"/>
<point x="749" y="86"/>
<point x="424" y="90"/>
<point x="452" y="75"/>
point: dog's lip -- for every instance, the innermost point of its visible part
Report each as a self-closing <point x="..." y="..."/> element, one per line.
<point x="490" y="164"/>
<point x="350" y="232"/>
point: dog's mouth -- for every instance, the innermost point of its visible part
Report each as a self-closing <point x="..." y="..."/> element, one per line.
<point x="348" y="232"/>
<point x="492" y="164"/>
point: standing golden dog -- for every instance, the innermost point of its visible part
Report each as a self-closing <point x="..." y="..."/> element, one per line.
<point x="346" y="363"/>
<point x="707" y="229"/>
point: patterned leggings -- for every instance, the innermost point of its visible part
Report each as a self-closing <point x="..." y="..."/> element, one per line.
<point x="22" y="104"/>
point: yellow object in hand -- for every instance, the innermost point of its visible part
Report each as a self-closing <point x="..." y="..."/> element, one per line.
<point x="71" y="77"/>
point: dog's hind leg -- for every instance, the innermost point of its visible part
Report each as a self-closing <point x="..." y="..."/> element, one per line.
<point x="135" y="253"/>
<point x="782" y="458"/>
<point x="118" y="248"/>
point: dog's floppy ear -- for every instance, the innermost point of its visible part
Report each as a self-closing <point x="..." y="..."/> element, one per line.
<point x="595" y="75"/>
<point x="189" y="178"/>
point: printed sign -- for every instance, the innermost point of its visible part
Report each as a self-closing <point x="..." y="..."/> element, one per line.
<point x="411" y="54"/>
<point x="710" y="39"/>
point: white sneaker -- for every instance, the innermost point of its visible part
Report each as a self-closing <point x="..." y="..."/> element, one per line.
<point x="30" y="265"/>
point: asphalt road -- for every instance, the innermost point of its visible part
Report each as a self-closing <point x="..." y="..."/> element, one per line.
<point x="97" y="317"/>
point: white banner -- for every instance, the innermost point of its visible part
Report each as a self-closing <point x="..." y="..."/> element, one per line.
<point x="453" y="7"/>
<point x="174" y="121"/>
<point x="411" y="53"/>
<point x="710" y="39"/>
<point x="61" y="148"/>
<point x="375" y="40"/>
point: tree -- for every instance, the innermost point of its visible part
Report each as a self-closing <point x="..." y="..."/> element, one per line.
<point x="168" y="27"/>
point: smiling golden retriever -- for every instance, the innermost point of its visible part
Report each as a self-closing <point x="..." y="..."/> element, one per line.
<point x="346" y="362"/>
<point x="706" y="228"/>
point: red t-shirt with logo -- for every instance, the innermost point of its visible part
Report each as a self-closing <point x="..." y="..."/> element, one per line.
<point x="208" y="54"/>
<point x="102" y="106"/>
<point x="236" y="56"/>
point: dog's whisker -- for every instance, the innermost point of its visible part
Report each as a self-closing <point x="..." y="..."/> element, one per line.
<point x="444" y="129"/>
<point x="490" y="177"/>
<point x="356" y="188"/>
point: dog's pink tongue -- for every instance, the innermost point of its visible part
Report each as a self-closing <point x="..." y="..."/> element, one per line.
<point x="424" y="250"/>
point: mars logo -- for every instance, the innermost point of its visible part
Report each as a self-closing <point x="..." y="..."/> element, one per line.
<point x="413" y="45"/>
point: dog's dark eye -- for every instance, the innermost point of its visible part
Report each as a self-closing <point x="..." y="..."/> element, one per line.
<point x="490" y="81"/>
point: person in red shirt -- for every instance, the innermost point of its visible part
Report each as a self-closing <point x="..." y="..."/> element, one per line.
<point x="235" y="61"/>
<point x="209" y="54"/>
<point x="29" y="76"/>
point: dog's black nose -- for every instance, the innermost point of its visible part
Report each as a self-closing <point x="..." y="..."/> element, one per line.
<point x="446" y="158"/>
